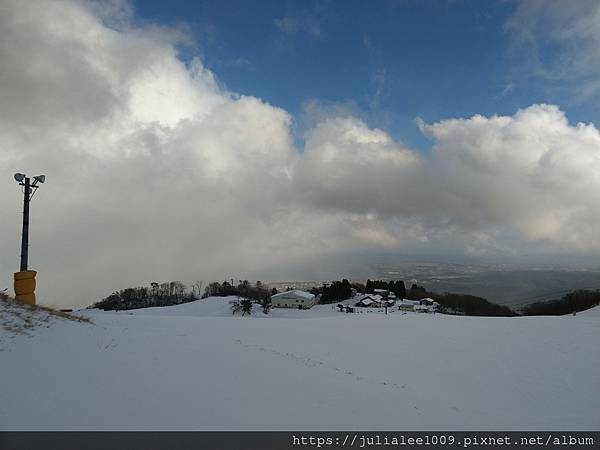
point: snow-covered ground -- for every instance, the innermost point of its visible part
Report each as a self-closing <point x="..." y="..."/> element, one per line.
<point x="195" y="367"/>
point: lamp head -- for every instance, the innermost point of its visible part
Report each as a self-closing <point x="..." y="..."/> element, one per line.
<point x="19" y="177"/>
<point x="40" y="178"/>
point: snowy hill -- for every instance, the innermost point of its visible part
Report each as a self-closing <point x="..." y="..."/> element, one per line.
<point x="592" y="312"/>
<point x="195" y="367"/>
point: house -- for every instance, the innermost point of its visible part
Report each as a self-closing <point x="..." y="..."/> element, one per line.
<point x="369" y="301"/>
<point x="407" y="305"/>
<point x="366" y="303"/>
<point x="426" y="305"/>
<point x="293" y="299"/>
<point x="384" y="293"/>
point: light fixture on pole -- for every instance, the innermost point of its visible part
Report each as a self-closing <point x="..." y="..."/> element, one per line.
<point x="25" y="279"/>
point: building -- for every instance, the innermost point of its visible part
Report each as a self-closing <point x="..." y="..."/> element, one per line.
<point x="430" y="303"/>
<point x="369" y="301"/>
<point x="366" y="302"/>
<point x="293" y="299"/>
<point x="373" y="301"/>
<point x="383" y="292"/>
<point x="407" y="305"/>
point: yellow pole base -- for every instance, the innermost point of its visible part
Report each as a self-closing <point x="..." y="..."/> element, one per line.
<point x="25" y="286"/>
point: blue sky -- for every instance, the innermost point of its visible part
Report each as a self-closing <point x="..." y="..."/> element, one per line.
<point x="389" y="61"/>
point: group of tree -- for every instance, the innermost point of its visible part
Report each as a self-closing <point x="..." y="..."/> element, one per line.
<point x="469" y="305"/>
<point x="337" y="291"/>
<point x="397" y="287"/>
<point x="575" y="301"/>
<point x="449" y="303"/>
<point x="334" y="292"/>
<point x="257" y="291"/>
<point x="157" y="294"/>
<point x="416" y="292"/>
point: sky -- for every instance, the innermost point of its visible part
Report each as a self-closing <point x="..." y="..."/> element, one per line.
<point x="290" y="140"/>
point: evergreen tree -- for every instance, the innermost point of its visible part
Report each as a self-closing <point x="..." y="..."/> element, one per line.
<point x="417" y="292"/>
<point x="400" y="289"/>
<point x="246" y="305"/>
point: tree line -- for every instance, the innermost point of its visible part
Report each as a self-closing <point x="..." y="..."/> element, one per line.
<point x="397" y="287"/>
<point x="175" y="292"/>
<point x="572" y="302"/>
<point x="157" y="294"/>
<point x="469" y="305"/>
<point x="336" y="291"/>
<point x="257" y="291"/>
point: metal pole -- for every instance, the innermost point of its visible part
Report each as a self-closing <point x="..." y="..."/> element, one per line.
<point x="25" y="233"/>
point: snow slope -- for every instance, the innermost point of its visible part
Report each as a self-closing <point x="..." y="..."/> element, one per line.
<point x="195" y="367"/>
<point x="220" y="307"/>
<point x="592" y="312"/>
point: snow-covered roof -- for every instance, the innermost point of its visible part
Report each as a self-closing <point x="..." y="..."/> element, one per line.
<point x="366" y="301"/>
<point x="375" y="298"/>
<point x="380" y="290"/>
<point x="296" y="292"/>
<point x="408" y="302"/>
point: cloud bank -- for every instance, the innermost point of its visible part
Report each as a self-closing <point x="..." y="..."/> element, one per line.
<point x="156" y="172"/>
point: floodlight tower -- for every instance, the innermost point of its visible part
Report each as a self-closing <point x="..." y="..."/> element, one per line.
<point x="25" y="279"/>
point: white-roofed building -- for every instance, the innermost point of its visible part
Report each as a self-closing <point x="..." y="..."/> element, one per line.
<point x="369" y="300"/>
<point x="425" y="308"/>
<point x="293" y="299"/>
<point x="407" y="305"/>
<point x="406" y="301"/>
<point x="384" y="293"/>
<point x="365" y="302"/>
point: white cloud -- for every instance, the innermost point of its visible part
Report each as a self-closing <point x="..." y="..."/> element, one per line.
<point x="559" y="41"/>
<point x="532" y="172"/>
<point x="348" y="166"/>
<point x="153" y="170"/>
